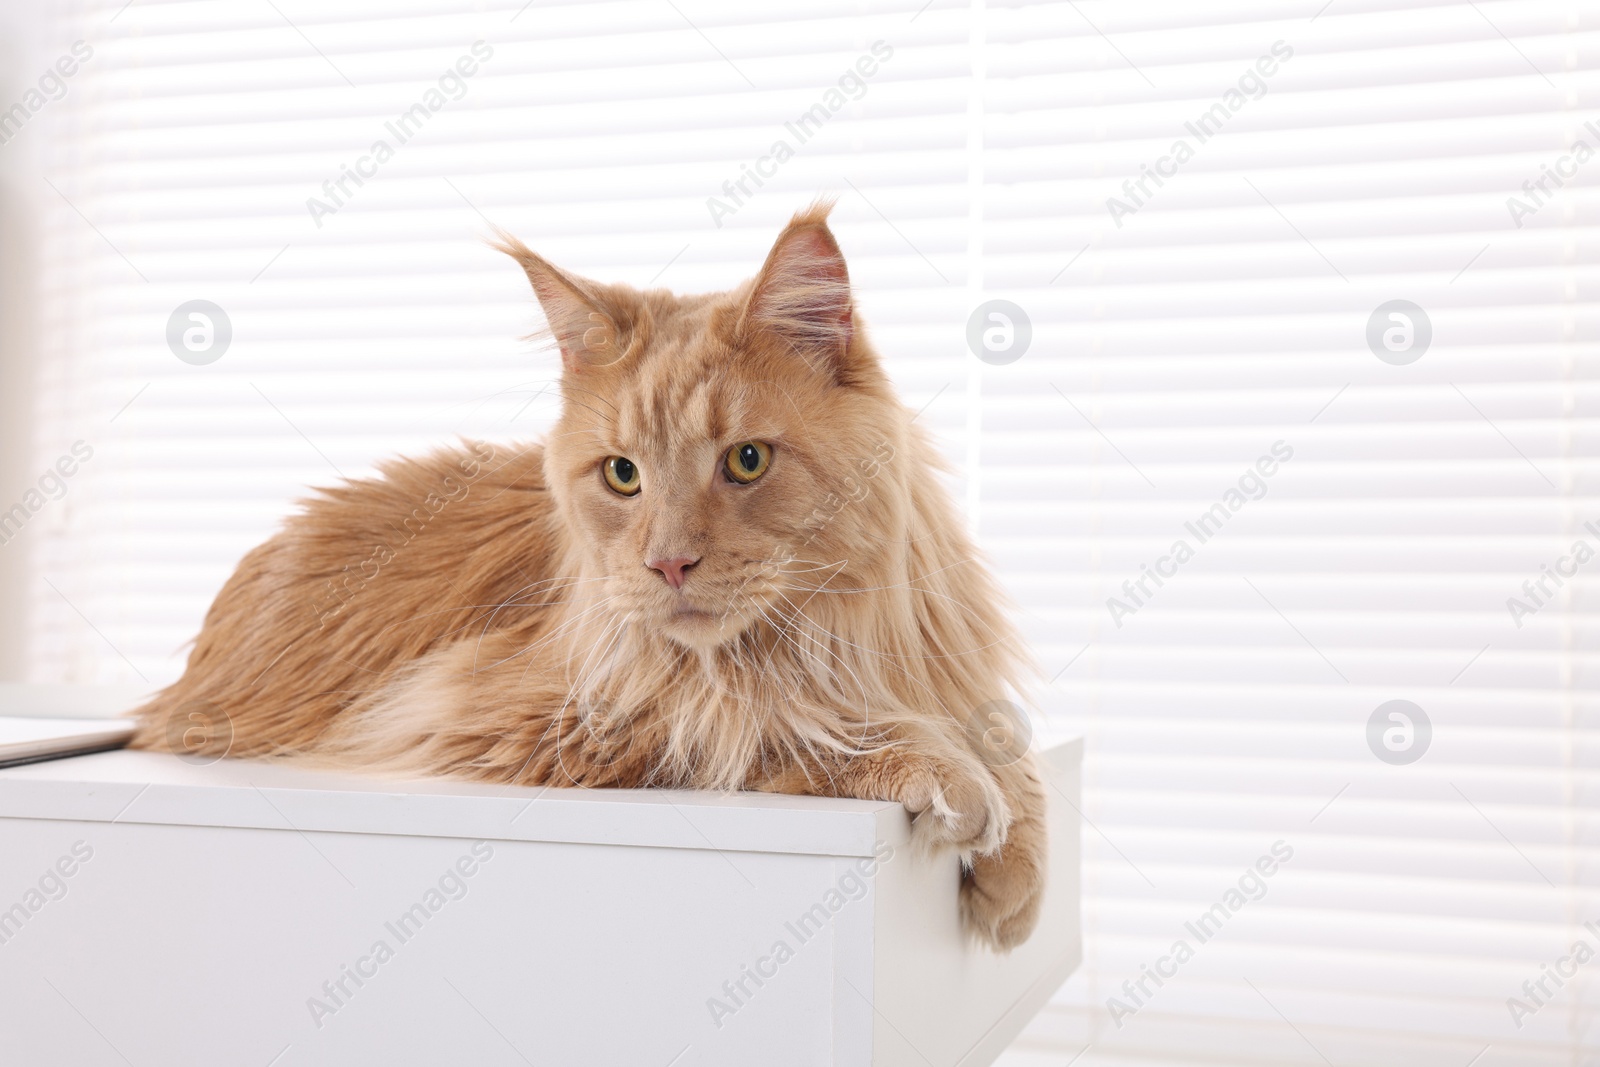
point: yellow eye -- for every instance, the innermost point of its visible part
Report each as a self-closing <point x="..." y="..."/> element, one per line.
<point x="748" y="461"/>
<point x="622" y="475"/>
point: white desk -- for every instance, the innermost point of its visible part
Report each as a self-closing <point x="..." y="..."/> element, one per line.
<point x="206" y="906"/>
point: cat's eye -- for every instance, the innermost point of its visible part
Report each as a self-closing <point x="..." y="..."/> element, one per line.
<point x="748" y="461"/>
<point x="622" y="475"/>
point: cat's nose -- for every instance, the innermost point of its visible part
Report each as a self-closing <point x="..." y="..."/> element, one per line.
<point x="672" y="569"/>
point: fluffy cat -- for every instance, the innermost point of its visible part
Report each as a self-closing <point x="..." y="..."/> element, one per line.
<point x="730" y="566"/>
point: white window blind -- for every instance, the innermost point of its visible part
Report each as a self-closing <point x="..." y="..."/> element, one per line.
<point x="1199" y="358"/>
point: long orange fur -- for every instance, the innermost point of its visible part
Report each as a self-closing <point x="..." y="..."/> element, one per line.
<point x="488" y="611"/>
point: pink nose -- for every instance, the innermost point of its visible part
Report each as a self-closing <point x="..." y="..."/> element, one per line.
<point x="672" y="569"/>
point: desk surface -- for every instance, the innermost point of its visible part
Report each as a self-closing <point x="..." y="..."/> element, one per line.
<point x="146" y="787"/>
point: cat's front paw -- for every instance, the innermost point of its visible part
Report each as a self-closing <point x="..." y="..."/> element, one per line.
<point x="1002" y="891"/>
<point x="952" y="806"/>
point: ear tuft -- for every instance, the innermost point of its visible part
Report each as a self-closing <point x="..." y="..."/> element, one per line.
<point x="803" y="291"/>
<point x="581" y="320"/>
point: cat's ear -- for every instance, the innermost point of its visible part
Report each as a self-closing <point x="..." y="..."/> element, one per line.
<point x="584" y="321"/>
<point x="802" y="294"/>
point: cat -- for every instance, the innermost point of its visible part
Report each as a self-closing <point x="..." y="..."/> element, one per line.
<point x="731" y="565"/>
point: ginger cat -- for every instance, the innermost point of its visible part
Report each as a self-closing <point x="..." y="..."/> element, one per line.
<point x="730" y="566"/>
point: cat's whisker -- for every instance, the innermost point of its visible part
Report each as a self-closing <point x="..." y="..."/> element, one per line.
<point x="565" y="581"/>
<point x="910" y="583"/>
<point x="592" y="410"/>
<point x="559" y="631"/>
<point x="502" y="466"/>
<point x="833" y="676"/>
<point x="799" y="613"/>
<point x="513" y="598"/>
<point x="571" y="625"/>
<point x="613" y="628"/>
<point x="585" y="431"/>
<point x="863" y="702"/>
<point x="817" y="589"/>
<point x="510" y="483"/>
<point x="783" y="568"/>
<point x="920" y="655"/>
<point x="891" y="659"/>
<point x="999" y="640"/>
<point x="565" y="386"/>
